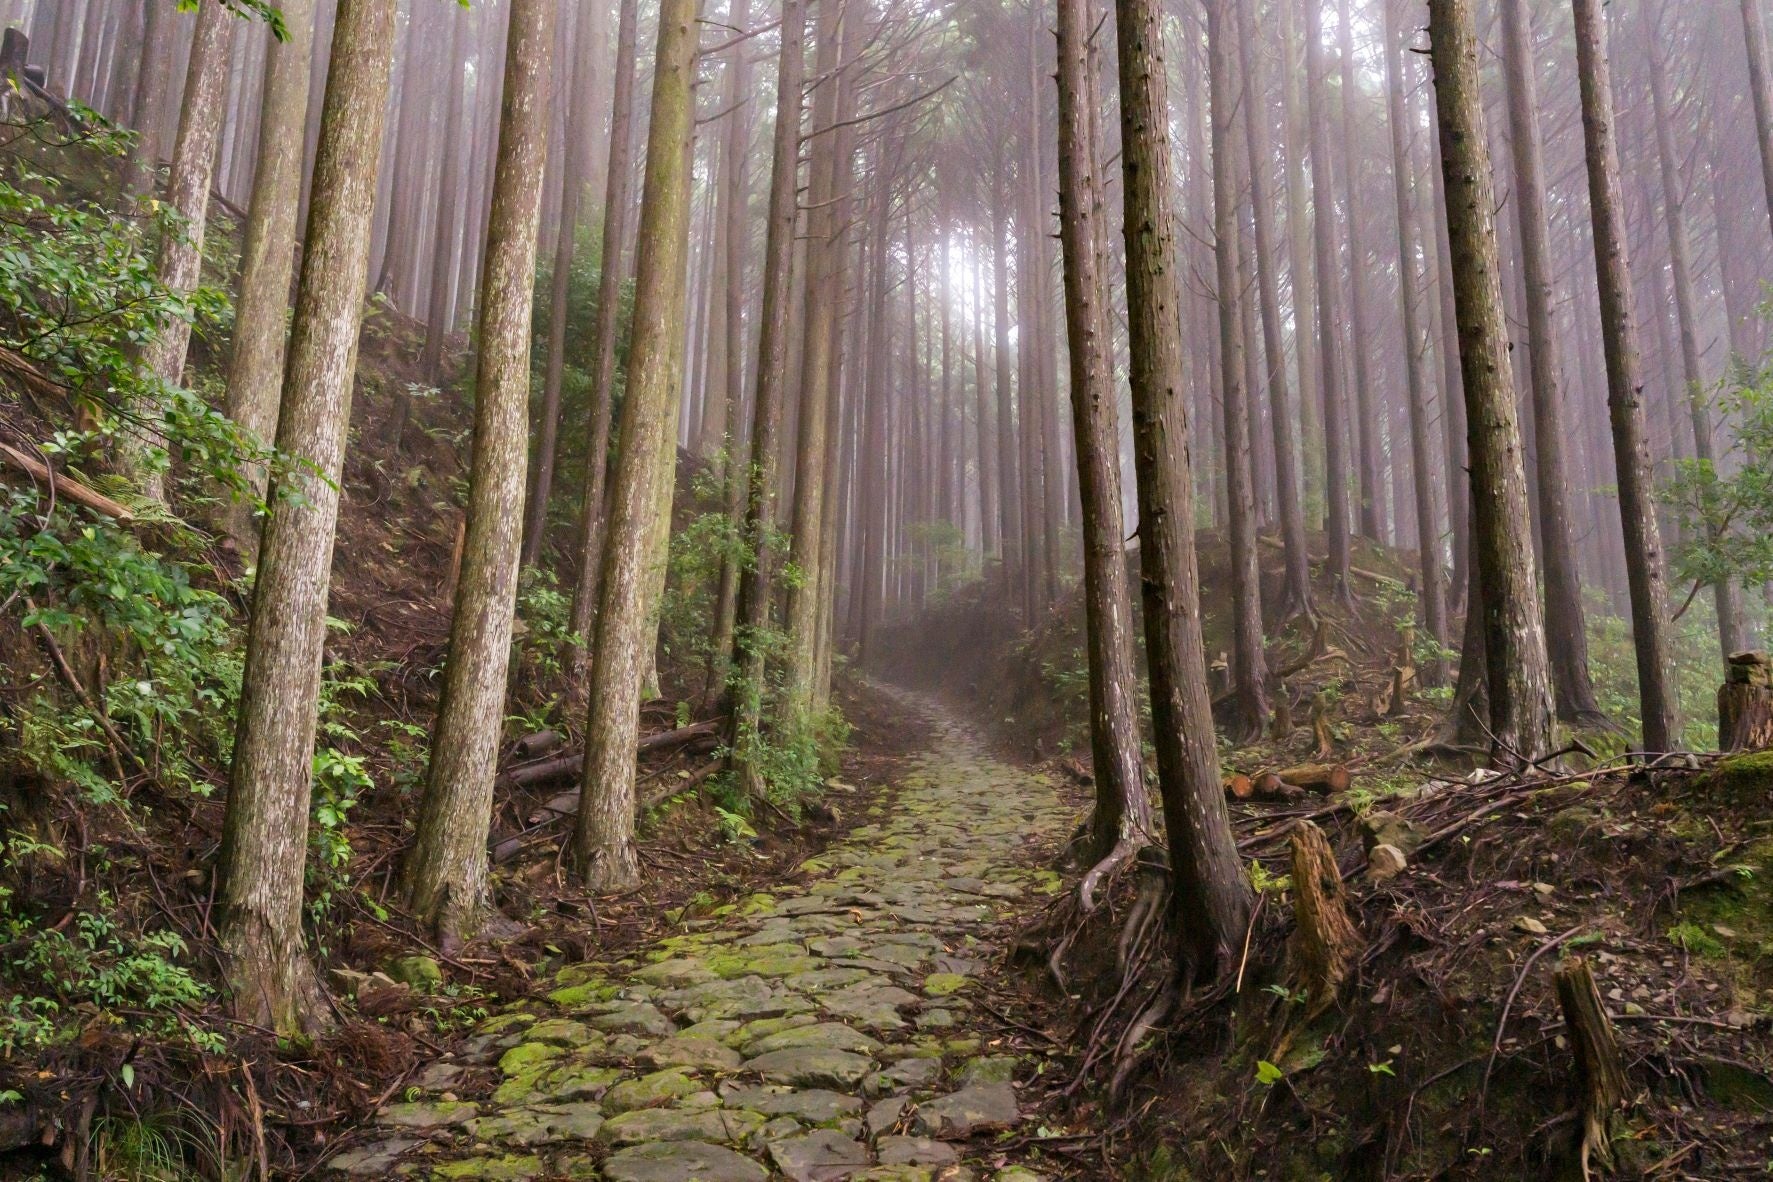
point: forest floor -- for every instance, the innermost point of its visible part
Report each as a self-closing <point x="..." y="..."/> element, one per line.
<point x="839" y="1026"/>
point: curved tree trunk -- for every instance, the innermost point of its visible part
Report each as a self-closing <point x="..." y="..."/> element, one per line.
<point x="1625" y="385"/>
<point x="265" y="829"/>
<point x="605" y="831"/>
<point x="1502" y="545"/>
<point x="1210" y="897"/>
<point x="446" y="869"/>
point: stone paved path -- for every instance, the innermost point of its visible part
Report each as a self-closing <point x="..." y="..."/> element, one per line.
<point x="814" y="1034"/>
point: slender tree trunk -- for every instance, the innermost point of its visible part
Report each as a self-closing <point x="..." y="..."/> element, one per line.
<point x="1211" y="897"/>
<point x="1009" y="500"/>
<point x="604" y="332"/>
<point x="267" y="259"/>
<point x="1300" y="264"/>
<point x="1625" y="386"/>
<point x="819" y="376"/>
<point x="439" y="318"/>
<point x="265" y="830"/>
<point x="580" y="125"/>
<point x="180" y="261"/>
<point x="1121" y="822"/>
<point x="1565" y="620"/>
<point x="1329" y="311"/>
<point x="1754" y="36"/>
<point x="762" y="474"/>
<point x="1366" y="426"/>
<point x="1284" y="413"/>
<point x="1249" y="664"/>
<point x="605" y="832"/>
<point x="1514" y="630"/>
<point x="991" y="540"/>
<point x="1726" y="595"/>
<point x="1452" y="382"/>
<point x="446" y="871"/>
<point x="1424" y="458"/>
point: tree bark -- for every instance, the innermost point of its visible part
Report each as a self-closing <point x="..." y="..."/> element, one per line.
<point x="1726" y="595"/>
<point x="580" y="131"/>
<point x="267" y="258"/>
<point x="1424" y="458"/>
<point x="179" y="264"/>
<point x="1754" y="37"/>
<point x="265" y="831"/>
<point x="761" y="475"/>
<point x="1121" y="821"/>
<point x="604" y="332"/>
<point x="1249" y="663"/>
<point x="1366" y="427"/>
<point x="605" y="831"/>
<point x="1565" y="620"/>
<point x="1625" y="386"/>
<point x="1329" y="311"/>
<point x="1284" y="411"/>
<point x="439" y="319"/>
<point x="1514" y="629"/>
<point x="1210" y="896"/>
<point x="446" y="870"/>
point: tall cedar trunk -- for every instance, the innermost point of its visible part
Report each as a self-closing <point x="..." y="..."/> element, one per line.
<point x="871" y="499"/>
<point x="1424" y="457"/>
<point x="446" y="870"/>
<point x="1301" y="266"/>
<point x="267" y="259"/>
<point x="1249" y="664"/>
<point x="153" y="98"/>
<point x="1502" y="546"/>
<point x="624" y="633"/>
<point x="1283" y="410"/>
<point x="580" y="131"/>
<point x="1452" y="382"/>
<point x="450" y="183"/>
<point x="1754" y="36"/>
<point x="819" y="375"/>
<point x="991" y="539"/>
<point x="762" y="473"/>
<point x="721" y="427"/>
<point x="1366" y="426"/>
<point x="1121" y="822"/>
<point x="265" y="829"/>
<point x="1210" y="896"/>
<point x="180" y="262"/>
<point x="1009" y="498"/>
<point x="1565" y="621"/>
<point x="1625" y="386"/>
<point x="1329" y="309"/>
<point x="1726" y="595"/>
<point x="604" y="331"/>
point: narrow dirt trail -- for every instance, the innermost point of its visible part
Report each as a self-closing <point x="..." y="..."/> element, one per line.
<point x="817" y="1033"/>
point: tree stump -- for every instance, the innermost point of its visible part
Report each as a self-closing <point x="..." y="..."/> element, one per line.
<point x="1601" y="1088"/>
<point x="1745" y="703"/>
<point x="1326" y="943"/>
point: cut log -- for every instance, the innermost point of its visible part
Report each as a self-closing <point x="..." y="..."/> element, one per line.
<point x="1239" y="786"/>
<point x="560" y="767"/>
<point x="1325" y="779"/>
<point x="539" y="744"/>
<point x="1265" y="786"/>
<point x="1326" y="944"/>
<point x="1745" y="703"/>
<point x="1600" y="1084"/>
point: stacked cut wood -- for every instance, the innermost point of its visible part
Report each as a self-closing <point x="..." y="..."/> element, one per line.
<point x="1745" y="703"/>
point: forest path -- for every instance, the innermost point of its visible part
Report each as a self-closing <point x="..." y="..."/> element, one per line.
<point x="820" y="1032"/>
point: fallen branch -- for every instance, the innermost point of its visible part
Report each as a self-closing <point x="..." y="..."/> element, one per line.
<point x="64" y="485"/>
<point x="560" y="767"/>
